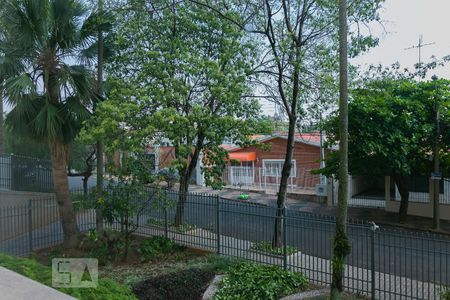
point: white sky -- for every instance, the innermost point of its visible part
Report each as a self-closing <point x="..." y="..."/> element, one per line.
<point x="404" y="22"/>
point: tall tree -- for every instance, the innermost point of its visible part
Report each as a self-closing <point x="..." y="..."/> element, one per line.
<point x="298" y="48"/>
<point x="187" y="70"/>
<point x="99" y="146"/>
<point x="48" y="95"/>
<point x="341" y="244"/>
<point x="2" y="135"/>
<point x="391" y="124"/>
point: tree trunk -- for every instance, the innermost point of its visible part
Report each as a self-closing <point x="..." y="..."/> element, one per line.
<point x="184" y="187"/>
<point x="184" y="180"/>
<point x="341" y="244"/>
<point x="100" y="165"/>
<point x="2" y="136"/>
<point x="402" y="184"/>
<point x="61" y="185"/>
<point x="99" y="189"/>
<point x="277" y="241"/>
<point x="85" y="185"/>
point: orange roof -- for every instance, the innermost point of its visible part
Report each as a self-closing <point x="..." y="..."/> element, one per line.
<point x="243" y="156"/>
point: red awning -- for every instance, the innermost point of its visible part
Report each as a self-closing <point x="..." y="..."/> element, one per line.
<point x="243" y="156"/>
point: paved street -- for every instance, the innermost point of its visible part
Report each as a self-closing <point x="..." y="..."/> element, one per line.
<point x="400" y="252"/>
<point x="76" y="183"/>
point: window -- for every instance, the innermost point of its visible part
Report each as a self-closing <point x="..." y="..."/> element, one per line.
<point x="273" y="167"/>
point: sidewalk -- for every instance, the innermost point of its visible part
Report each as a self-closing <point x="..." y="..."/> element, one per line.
<point x="14" y="286"/>
<point x="379" y="216"/>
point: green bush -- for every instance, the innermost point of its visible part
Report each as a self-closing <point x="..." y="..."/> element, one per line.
<point x="445" y="294"/>
<point x="251" y="281"/>
<point x="107" y="288"/>
<point x="155" y="247"/>
<point x="265" y="246"/>
<point x="109" y="248"/>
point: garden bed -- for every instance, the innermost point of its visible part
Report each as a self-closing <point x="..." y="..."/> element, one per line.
<point x="156" y="268"/>
<point x="186" y="284"/>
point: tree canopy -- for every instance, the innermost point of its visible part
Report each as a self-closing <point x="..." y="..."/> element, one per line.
<point x="391" y="124"/>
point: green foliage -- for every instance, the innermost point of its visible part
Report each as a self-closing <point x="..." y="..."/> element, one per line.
<point x="107" y="289"/>
<point x="189" y="75"/>
<point x="51" y="102"/>
<point x="170" y="176"/>
<point x="252" y="281"/>
<point x="156" y="247"/>
<point x="265" y="246"/>
<point x="445" y="294"/>
<point x="391" y="127"/>
<point x="111" y="247"/>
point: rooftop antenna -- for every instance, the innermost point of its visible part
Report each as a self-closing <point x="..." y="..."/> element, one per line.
<point x="419" y="47"/>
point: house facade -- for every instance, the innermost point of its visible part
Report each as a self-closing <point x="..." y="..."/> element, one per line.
<point x="259" y="167"/>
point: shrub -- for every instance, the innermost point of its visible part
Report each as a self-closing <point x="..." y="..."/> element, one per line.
<point x="252" y="281"/>
<point x="108" y="248"/>
<point x="155" y="247"/>
<point x="181" y="285"/>
<point x="265" y="246"/>
<point x="107" y="288"/>
<point x="445" y="294"/>
<point x="170" y="176"/>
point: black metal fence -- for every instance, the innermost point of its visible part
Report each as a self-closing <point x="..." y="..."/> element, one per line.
<point x="385" y="263"/>
<point x="21" y="173"/>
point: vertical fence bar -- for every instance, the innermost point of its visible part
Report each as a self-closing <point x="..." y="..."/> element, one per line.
<point x="30" y="227"/>
<point x="284" y="220"/>
<point x="373" y="229"/>
<point x="218" y="223"/>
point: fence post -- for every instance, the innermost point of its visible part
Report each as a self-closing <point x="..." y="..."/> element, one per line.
<point x="218" y="223"/>
<point x="284" y="220"/>
<point x="30" y="226"/>
<point x="373" y="230"/>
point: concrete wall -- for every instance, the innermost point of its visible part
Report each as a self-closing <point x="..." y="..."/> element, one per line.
<point x="355" y="186"/>
<point x="422" y="208"/>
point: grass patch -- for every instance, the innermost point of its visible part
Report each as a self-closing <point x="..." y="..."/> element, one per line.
<point x="107" y="288"/>
<point x="186" y="284"/>
<point x="253" y="282"/>
<point x="185" y="227"/>
<point x="266" y="247"/>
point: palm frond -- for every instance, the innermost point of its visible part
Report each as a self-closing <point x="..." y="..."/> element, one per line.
<point x="79" y="78"/>
<point x="18" y="86"/>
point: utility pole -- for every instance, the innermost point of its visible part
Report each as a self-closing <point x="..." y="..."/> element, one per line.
<point x="436" y="176"/>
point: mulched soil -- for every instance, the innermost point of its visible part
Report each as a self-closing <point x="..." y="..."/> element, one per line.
<point x="188" y="284"/>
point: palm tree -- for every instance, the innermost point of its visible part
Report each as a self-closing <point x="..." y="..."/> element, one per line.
<point x="49" y="96"/>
